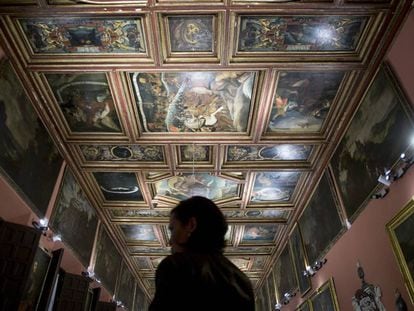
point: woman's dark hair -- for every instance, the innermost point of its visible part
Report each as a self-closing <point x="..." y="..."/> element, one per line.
<point x="211" y="228"/>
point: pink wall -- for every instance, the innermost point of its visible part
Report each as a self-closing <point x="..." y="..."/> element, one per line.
<point x="401" y="56"/>
<point x="367" y="240"/>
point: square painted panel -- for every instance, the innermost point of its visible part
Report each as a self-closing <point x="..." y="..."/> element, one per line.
<point x="282" y="152"/>
<point x="143" y="263"/>
<point x="204" y="184"/>
<point x="84" y="35"/>
<point x="191" y="33"/>
<point x="139" y="233"/>
<point x="123" y="153"/>
<point x="258" y="263"/>
<point x="196" y="153"/>
<point x="262" y="233"/>
<point x="303" y="100"/>
<point x="86" y="102"/>
<point x="299" y="33"/>
<point x="118" y="186"/>
<point x="277" y="187"/>
<point x="199" y="102"/>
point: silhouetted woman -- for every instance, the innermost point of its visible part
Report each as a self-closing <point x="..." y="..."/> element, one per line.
<point x="197" y="276"/>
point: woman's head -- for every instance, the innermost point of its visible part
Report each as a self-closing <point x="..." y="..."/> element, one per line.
<point x="197" y="224"/>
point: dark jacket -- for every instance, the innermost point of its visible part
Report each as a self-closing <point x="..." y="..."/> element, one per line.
<point x="201" y="282"/>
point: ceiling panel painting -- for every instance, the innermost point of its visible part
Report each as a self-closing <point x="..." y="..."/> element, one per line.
<point x="86" y="102"/>
<point x="139" y="233"/>
<point x="264" y="155"/>
<point x="299" y="33"/>
<point x="118" y="213"/>
<point x="86" y="35"/>
<point x="194" y="102"/>
<point x="303" y="100"/>
<point x="259" y="263"/>
<point x="195" y="155"/>
<point x="118" y="186"/>
<point x="258" y="250"/>
<point x="190" y="37"/>
<point x="204" y="184"/>
<point x="122" y="153"/>
<point x="263" y="214"/>
<point x="143" y="263"/>
<point x="275" y="187"/>
<point x="260" y="233"/>
<point x="146" y="250"/>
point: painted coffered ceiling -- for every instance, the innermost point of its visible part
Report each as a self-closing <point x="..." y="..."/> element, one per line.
<point x="240" y="101"/>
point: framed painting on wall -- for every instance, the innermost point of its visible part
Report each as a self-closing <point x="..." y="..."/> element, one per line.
<point x="284" y="274"/>
<point x="321" y="211"/>
<point x="108" y="261"/>
<point x="360" y="158"/>
<point x="400" y="230"/>
<point x="74" y="218"/>
<point x="325" y="298"/>
<point x="25" y="144"/>
<point x="126" y="287"/>
<point x="35" y="283"/>
<point x="298" y="258"/>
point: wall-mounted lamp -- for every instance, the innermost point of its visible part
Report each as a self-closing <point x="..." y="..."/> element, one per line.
<point x="53" y="237"/>
<point x="311" y="270"/>
<point x="287" y="297"/>
<point x="42" y="225"/>
<point x="387" y="178"/>
<point x="381" y="193"/>
<point x="90" y="275"/>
